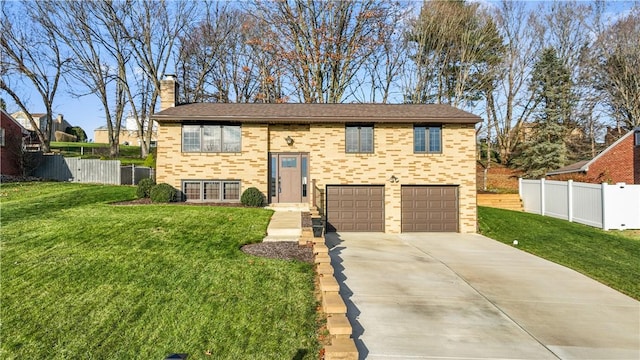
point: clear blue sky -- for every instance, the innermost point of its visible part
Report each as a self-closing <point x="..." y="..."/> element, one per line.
<point x="87" y="111"/>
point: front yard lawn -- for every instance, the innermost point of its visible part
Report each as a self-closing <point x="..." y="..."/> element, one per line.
<point x="609" y="257"/>
<point x="84" y="279"/>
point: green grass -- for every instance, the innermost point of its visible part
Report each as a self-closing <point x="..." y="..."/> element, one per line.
<point x="85" y="279"/>
<point x="609" y="257"/>
<point x="128" y="154"/>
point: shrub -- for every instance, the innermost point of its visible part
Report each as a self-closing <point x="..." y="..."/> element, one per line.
<point x="253" y="197"/>
<point x="162" y="193"/>
<point x="144" y="187"/>
<point x="149" y="161"/>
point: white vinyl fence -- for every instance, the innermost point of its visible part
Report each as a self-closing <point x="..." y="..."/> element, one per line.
<point x="600" y="205"/>
<point x="57" y="167"/>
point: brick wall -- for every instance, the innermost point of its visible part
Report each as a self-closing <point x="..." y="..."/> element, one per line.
<point x="330" y="165"/>
<point x="12" y="149"/>
<point x="615" y="165"/>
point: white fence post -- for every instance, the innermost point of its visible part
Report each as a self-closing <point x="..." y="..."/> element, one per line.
<point x="605" y="225"/>
<point x="570" y="200"/>
<point x="542" y="197"/>
<point x="520" y="187"/>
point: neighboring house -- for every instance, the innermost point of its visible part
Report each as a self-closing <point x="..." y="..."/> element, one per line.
<point x="58" y="124"/>
<point x="370" y="167"/>
<point x="12" y="141"/>
<point x="618" y="163"/>
<point x="128" y="133"/>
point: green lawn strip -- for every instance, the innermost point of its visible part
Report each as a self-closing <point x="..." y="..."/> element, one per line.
<point x="128" y="153"/>
<point x="102" y="281"/>
<point x="604" y="256"/>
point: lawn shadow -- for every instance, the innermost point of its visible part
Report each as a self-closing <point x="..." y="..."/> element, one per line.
<point x="336" y="246"/>
<point x="300" y="354"/>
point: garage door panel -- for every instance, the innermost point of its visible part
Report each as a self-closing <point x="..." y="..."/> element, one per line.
<point x="355" y="208"/>
<point x="429" y="208"/>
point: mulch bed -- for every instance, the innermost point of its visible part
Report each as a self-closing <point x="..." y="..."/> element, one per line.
<point x="283" y="250"/>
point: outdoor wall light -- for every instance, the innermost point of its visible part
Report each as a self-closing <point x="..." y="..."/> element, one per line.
<point x="289" y="140"/>
<point x="393" y="179"/>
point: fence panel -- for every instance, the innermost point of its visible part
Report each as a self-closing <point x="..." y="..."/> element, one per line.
<point x="99" y="171"/>
<point x="530" y="194"/>
<point x="587" y="204"/>
<point x="53" y="167"/>
<point x="556" y="194"/>
<point x="604" y="206"/>
<point x="621" y="206"/>
<point x="57" y="167"/>
<point x="131" y="174"/>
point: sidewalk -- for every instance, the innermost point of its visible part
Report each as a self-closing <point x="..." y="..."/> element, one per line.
<point x="285" y="225"/>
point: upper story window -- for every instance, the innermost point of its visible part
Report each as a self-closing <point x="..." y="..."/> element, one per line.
<point x="211" y="138"/>
<point x="427" y="139"/>
<point x="1" y="137"/>
<point x="359" y="138"/>
<point x="637" y="137"/>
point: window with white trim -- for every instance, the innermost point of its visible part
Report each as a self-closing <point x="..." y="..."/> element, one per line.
<point x="211" y="138"/>
<point x="1" y="137"/>
<point x="427" y="139"/>
<point x="211" y="190"/>
<point x="359" y="138"/>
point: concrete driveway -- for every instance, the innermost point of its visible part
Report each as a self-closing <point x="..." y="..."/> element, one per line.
<point x="464" y="296"/>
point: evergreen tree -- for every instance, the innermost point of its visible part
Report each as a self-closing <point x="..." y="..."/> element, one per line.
<point x="544" y="149"/>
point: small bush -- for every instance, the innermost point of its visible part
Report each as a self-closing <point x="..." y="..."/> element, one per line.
<point x="149" y="161"/>
<point x="144" y="187"/>
<point x="163" y="193"/>
<point x="253" y="197"/>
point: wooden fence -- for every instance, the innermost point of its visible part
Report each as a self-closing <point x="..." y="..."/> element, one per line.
<point x="57" y="167"/>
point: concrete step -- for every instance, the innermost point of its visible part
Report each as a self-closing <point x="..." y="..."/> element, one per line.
<point x="341" y="349"/>
<point x="271" y="238"/>
<point x="289" y="207"/>
<point x="339" y="327"/>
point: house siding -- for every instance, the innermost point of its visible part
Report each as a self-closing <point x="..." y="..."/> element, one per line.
<point x="329" y="164"/>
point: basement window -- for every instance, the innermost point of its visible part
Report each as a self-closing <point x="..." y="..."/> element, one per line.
<point x="211" y="190"/>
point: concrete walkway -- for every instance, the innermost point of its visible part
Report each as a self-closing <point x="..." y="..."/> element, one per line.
<point x="285" y="225"/>
<point x="464" y="296"/>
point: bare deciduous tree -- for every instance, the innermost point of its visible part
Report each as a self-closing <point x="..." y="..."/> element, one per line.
<point x="455" y="46"/>
<point x="34" y="54"/>
<point x="618" y="65"/>
<point x="322" y="44"/>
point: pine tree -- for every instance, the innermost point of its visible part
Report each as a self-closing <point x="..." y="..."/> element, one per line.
<point x="545" y="148"/>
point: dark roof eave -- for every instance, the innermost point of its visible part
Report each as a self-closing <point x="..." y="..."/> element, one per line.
<point x="315" y="119"/>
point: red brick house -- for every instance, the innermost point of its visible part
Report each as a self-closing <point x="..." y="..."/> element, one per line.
<point x="619" y="163"/>
<point x="12" y="136"/>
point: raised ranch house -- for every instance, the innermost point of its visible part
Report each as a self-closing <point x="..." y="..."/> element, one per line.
<point x="369" y="167"/>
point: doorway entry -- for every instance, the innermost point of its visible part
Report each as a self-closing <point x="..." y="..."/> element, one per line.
<point x="289" y="177"/>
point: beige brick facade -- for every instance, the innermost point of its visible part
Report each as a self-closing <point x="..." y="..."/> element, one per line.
<point x="330" y="165"/>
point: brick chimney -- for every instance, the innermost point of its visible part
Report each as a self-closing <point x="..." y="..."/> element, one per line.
<point x="168" y="92"/>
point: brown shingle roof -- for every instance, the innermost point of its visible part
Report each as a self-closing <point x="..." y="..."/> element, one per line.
<point x="315" y="113"/>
